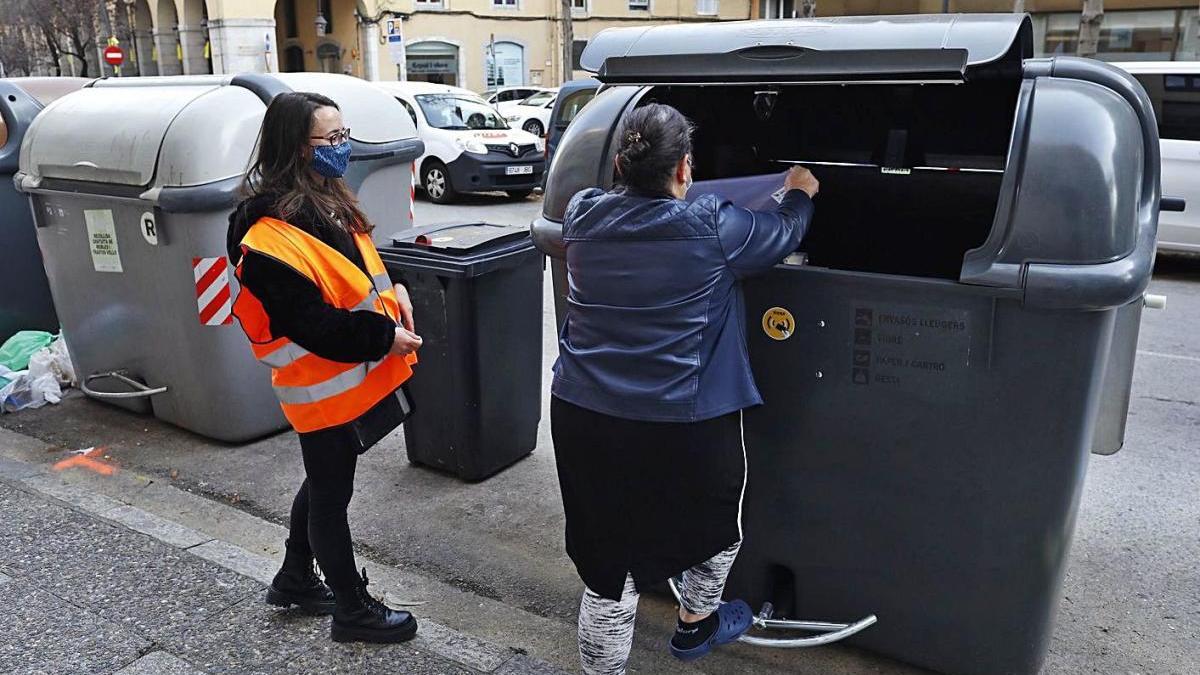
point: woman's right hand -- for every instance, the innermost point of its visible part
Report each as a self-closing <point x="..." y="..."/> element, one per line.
<point x="405" y="342"/>
<point x="800" y="178"/>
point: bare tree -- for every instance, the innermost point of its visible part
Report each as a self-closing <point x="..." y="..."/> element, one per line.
<point x="1018" y="6"/>
<point x="16" y="53"/>
<point x="1089" y="27"/>
<point x="76" y="23"/>
<point x="808" y="8"/>
<point x="67" y="28"/>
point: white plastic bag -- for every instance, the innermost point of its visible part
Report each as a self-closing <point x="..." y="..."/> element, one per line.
<point x="49" y="369"/>
<point x="53" y="360"/>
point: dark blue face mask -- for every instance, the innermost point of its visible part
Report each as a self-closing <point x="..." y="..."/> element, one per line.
<point x="331" y="160"/>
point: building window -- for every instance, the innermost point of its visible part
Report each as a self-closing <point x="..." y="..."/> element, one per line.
<point x="327" y="12"/>
<point x="579" y="6"/>
<point x="577" y="48"/>
<point x="505" y="4"/>
<point x="1153" y="35"/>
<point x="778" y="9"/>
<point x="289" y="18"/>
<point x="429" y="4"/>
<point x="639" y="5"/>
<point x="707" y="7"/>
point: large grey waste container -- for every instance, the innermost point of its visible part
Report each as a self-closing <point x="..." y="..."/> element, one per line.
<point x="933" y="375"/>
<point x="131" y="183"/>
<point x="25" y="301"/>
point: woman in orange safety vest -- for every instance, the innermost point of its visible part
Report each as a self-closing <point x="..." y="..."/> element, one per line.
<point x="321" y="312"/>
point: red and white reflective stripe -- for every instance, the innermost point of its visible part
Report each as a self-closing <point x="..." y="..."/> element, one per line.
<point x="412" y="197"/>
<point x="213" y="299"/>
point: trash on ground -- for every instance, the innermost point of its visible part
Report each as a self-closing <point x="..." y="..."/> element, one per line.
<point x="17" y="350"/>
<point x="44" y="371"/>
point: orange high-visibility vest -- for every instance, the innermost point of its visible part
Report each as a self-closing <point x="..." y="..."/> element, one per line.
<point x="317" y="393"/>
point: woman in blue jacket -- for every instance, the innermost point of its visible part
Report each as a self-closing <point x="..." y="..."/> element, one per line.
<point x="650" y="383"/>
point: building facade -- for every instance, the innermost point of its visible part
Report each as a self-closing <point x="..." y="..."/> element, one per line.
<point x="480" y="44"/>
<point x="1131" y="30"/>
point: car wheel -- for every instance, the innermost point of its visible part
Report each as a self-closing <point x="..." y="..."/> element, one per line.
<point x="534" y="127"/>
<point x="436" y="182"/>
<point x="519" y="194"/>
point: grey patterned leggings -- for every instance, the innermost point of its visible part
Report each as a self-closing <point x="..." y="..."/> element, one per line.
<point x="606" y="626"/>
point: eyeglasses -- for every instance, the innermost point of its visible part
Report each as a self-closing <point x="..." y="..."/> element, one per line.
<point x="334" y="137"/>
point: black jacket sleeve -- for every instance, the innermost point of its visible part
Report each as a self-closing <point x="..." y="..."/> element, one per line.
<point x="298" y="312"/>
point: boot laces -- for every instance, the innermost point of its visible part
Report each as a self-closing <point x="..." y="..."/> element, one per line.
<point x="312" y="574"/>
<point x="373" y="603"/>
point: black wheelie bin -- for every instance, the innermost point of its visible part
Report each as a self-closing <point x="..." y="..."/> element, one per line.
<point x="932" y="362"/>
<point x="476" y="290"/>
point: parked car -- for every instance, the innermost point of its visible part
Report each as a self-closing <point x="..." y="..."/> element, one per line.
<point x="499" y="95"/>
<point x="531" y="114"/>
<point x="572" y="96"/>
<point x="1174" y="89"/>
<point x="468" y="145"/>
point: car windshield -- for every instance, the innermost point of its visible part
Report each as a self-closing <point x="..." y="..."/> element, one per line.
<point x="453" y="111"/>
<point x="540" y="98"/>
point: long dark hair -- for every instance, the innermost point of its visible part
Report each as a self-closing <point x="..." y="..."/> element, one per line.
<point x="651" y="141"/>
<point x="282" y="169"/>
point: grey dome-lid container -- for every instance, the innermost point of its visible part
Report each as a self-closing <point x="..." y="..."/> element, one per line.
<point x="887" y="434"/>
<point x="133" y="222"/>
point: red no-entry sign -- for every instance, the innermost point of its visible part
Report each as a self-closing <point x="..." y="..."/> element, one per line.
<point x="113" y="55"/>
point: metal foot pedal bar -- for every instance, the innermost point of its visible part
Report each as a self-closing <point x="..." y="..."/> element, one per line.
<point x="140" y="390"/>
<point x="829" y="632"/>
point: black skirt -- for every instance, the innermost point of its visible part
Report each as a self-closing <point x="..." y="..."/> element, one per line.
<point x="650" y="499"/>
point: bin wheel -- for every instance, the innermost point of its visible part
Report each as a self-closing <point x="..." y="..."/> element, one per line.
<point x="436" y="181"/>
<point x="519" y="194"/>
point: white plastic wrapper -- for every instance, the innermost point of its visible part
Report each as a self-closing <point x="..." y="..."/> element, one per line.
<point x="49" y="371"/>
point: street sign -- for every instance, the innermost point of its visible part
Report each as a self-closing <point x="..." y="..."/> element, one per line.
<point x="395" y="41"/>
<point x="113" y="55"/>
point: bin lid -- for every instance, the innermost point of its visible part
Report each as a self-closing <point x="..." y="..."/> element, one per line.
<point x="461" y="239"/>
<point x="939" y="47"/>
<point x="105" y="135"/>
<point x="183" y="131"/>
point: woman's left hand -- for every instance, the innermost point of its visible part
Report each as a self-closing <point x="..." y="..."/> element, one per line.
<point x="406" y="308"/>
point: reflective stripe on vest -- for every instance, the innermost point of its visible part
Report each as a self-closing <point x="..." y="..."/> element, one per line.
<point x="318" y="393"/>
<point x="338" y="384"/>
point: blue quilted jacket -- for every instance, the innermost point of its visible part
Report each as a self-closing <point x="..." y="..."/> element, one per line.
<point x="655" y="326"/>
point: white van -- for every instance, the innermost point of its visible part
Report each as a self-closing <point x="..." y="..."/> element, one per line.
<point x="1174" y="89"/>
<point x="468" y="145"/>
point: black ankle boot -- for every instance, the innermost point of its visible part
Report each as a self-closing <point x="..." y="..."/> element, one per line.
<point x="359" y="617"/>
<point x="297" y="583"/>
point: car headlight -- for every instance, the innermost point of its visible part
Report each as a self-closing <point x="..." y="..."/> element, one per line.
<point x="513" y="118"/>
<point x="540" y="143"/>
<point x="472" y="145"/>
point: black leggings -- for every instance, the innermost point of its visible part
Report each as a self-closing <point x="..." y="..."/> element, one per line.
<point x="318" y="524"/>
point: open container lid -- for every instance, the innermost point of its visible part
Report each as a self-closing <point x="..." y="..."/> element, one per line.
<point x="942" y="47"/>
<point x="186" y="131"/>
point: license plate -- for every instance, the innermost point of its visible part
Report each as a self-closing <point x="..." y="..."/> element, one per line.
<point x="518" y="170"/>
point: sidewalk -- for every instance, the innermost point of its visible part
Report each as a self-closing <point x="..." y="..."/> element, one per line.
<point x="95" y="585"/>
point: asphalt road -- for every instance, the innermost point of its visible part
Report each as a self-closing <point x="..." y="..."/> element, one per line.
<point x="1131" y="602"/>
